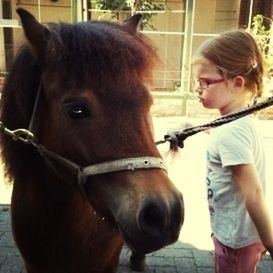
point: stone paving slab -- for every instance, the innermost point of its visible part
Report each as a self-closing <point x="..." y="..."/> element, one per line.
<point x="177" y="258"/>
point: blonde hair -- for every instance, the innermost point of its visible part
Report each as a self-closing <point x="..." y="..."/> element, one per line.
<point x="235" y="53"/>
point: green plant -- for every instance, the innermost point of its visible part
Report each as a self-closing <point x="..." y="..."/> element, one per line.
<point x="118" y="6"/>
<point x="262" y="29"/>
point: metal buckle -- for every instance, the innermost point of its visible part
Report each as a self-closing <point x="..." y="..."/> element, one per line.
<point x="22" y="135"/>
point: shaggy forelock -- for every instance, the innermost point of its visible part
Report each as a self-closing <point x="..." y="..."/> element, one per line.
<point x="97" y="54"/>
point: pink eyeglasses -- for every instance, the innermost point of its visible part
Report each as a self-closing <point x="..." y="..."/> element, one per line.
<point x="204" y="83"/>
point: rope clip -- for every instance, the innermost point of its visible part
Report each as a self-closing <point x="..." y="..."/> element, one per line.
<point x="22" y="135"/>
<point x="176" y="140"/>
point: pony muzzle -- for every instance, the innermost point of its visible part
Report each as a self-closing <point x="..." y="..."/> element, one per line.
<point x="153" y="218"/>
<point x="159" y="223"/>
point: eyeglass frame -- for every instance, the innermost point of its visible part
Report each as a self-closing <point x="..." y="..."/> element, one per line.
<point x="207" y="81"/>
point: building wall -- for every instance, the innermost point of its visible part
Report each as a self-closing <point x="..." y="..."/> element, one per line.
<point x="214" y="16"/>
<point x="50" y="10"/>
<point x="170" y="46"/>
<point x="211" y="17"/>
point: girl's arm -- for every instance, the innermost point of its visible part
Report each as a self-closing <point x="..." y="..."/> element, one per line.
<point x="248" y="181"/>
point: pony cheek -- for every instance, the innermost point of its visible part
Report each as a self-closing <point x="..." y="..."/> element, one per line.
<point x="103" y="194"/>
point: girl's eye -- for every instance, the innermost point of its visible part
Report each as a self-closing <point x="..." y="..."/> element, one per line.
<point x="77" y="110"/>
<point x="204" y="83"/>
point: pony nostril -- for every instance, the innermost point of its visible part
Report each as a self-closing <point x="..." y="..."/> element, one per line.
<point x="152" y="219"/>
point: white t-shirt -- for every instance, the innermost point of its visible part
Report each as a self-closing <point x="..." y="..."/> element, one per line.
<point x="235" y="143"/>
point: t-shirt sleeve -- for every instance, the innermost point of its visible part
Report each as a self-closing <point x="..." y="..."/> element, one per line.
<point x="235" y="147"/>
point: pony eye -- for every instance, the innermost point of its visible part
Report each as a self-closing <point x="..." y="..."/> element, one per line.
<point x="77" y="111"/>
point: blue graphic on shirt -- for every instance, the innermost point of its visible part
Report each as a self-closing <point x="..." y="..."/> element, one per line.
<point x="210" y="193"/>
<point x="208" y="155"/>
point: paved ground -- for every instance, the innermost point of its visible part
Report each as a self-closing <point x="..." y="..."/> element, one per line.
<point x="193" y="252"/>
<point x="177" y="258"/>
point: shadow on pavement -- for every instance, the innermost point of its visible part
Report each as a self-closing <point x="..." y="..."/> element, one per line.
<point x="177" y="258"/>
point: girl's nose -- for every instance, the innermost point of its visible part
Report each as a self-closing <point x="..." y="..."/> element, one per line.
<point x="198" y="90"/>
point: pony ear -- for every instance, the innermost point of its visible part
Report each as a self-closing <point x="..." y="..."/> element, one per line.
<point x="132" y="24"/>
<point x="36" y="34"/>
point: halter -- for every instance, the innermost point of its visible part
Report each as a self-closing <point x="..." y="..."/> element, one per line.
<point x="124" y="164"/>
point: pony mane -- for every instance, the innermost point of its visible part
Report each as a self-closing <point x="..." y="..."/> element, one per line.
<point x="101" y="56"/>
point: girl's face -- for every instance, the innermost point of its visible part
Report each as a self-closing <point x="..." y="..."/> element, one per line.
<point x="213" y="90"/>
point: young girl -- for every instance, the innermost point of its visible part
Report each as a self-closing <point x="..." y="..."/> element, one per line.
<point x="228" y="74"/>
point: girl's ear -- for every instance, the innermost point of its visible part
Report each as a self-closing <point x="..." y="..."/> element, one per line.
<point x="239" y="82"/>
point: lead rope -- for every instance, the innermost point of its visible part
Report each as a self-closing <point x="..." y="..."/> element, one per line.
<point x="176" y="139"/>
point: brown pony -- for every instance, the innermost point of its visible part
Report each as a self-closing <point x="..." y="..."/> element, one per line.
<point x="80" y="88"/>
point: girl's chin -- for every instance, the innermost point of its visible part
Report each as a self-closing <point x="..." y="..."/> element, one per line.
<point x="206" y="105"/>
<point x="202" y="101"/>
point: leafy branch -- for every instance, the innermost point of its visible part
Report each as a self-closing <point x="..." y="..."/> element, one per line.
<point x="262" y="29"/>
<point x="118" y="6"/>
